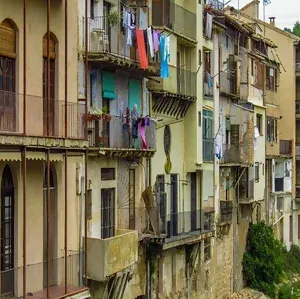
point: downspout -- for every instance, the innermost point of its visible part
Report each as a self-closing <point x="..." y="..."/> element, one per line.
<point x="80" y="229"/>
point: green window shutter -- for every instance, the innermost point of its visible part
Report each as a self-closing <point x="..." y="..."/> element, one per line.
<point x="134" y="94"/>
<point x="228" y="125"/>
<point x="109" y="85"/>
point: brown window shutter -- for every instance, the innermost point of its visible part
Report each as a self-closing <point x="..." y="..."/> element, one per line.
<point x="52" y="48"/>
<point x="7" y="40"/>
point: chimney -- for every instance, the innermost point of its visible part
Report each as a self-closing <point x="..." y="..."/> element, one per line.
<point x="272" y="21"/>
<point x="255" y="9"/>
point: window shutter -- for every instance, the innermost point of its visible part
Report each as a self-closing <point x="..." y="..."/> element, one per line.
<point x="52" y="47"/>
<point x="7" y="40"/>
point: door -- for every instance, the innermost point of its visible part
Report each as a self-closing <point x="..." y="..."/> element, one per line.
<point x="174" y="205"/>
<point x="7" y="234"/>
<point x="52" y="246"/>
<point x="51" y="114"/>
<point x="7" y="95"/>
<point x="107" y="213"/>
<point x="193" y="201"/>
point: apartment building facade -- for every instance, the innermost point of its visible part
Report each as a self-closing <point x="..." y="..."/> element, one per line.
<point x="42" y="146"/>
<point x="279" y="94"/>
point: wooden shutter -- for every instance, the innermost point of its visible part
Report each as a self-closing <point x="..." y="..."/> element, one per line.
<point x="7" y="39"/>
<point x="52" y="46"/>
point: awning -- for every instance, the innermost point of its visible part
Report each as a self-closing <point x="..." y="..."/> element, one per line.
<point x="10" y="156"/>
<point x="55" y="157"/>
<point x="109" y="85"/>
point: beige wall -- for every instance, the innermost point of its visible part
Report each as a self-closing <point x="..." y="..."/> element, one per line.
<point x="36" y="29"/>
<point x="34" y="221"/>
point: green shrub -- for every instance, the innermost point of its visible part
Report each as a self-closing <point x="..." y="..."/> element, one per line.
<point x="263" y="260"/>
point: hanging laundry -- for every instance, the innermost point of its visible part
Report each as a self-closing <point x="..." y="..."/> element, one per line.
<point x="143" y="19"/>
<point x="218" y="146"/>
<point x="208" y="28"/>
<point x="256" y="135"/>
<point x="209" y="80"/>
<point x="141" y="48"/>
<point x="150" y="41"/>
<point x="146" y="41"/>
<point x="164" y="56"/>
<point x="143" y="133"/>
<point x="155" y="40"/>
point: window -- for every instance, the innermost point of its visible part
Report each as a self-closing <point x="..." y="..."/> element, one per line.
<point x="162" y="200"/>
<point x="199" y="57"/>
<point x="108" y="174"/>
<point x="271" y="77"/>
<point x="207" y="124"/>
<point x="259" y="123"/>
<point x="92" y="9"/>
<point x="131" y="198"/>
<point x="256" y="171"/>
<point x="107" y="213"/>
<point x="252" y="67"/>
<point x="89" y="205"/>
<point x="271" y="129"/>
<point x="49" y="116"/>
<point x="207" y="249"/>
<point x="174" y="205"/>
<point x="235" y="134"/>
<point x="286" y="170"/>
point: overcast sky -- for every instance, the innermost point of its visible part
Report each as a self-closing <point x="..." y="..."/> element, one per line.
<point x="285" y="11"/>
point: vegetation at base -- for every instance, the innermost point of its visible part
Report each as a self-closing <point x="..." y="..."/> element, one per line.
<point x="267" y="264"/>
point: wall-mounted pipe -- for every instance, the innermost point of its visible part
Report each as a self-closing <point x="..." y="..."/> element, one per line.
<point x="24" y="221"/>
<point x="66" y="221"/>
<point x="66" y="68"/>
<point x="24" y="67"/>
<point x="48" y="67"/>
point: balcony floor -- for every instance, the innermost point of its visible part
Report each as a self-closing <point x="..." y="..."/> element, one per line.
<point x="58" y="292"/>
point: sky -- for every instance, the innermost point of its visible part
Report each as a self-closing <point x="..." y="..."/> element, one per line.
<point x="285" y="11"/>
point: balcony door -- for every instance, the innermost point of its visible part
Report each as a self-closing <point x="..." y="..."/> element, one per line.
<point x="51" y="247"/>
<point x="7" y="77"/>
<point x="173" y="231"/>
<point x="49" y="111"/>
<point x="7" y="234"/>
<point x="107" y="213"/>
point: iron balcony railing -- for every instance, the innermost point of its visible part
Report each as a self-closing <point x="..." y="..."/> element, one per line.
<point x="110" y="38"/>
<point x="297" y="107"/>
<point x="108" y="131"/>
<point x="186" y="82"/>
<point x="225" y="211"/>
<point x="42" y="118"/>
<point x="208" y="149"/>
<point x="215" y="4"/>
<point x="175" y="17"/>
<point x="285" y="147"/>
<point x="181" y="223"/>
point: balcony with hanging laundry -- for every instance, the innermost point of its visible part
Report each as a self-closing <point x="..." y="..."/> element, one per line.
<point x="116" y="40"/>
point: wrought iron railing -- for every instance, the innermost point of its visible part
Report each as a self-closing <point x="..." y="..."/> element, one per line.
<point x="109" y="131"/>
<point x="42" y="118"/>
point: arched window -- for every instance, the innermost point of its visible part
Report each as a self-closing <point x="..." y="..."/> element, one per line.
<point x="7" y="76"/>
<point x="7" y="232"/>
<point x="52" y="52"/>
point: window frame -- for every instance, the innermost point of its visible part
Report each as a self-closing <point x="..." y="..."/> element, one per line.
<point x="259" y="123"/>
<point x="271" y="80"/>
<point x="108" y="220"/>
<point x="256" y="172"/>
<point x="271" y="129"/>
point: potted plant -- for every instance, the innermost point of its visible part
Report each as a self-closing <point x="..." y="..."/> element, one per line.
<point x="114" y="18"/>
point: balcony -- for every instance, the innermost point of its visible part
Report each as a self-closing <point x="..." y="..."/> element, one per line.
<point x="225" y="211"/>
<point x="246" y="190"/>
<point x="181" y="82"/>
<point x="297" y="109"/>
<point x="285" y="147"/>
<point x="107" y="44"/>
<point x="215" y="4"/>
<point x="36" y="279"/>
<point x="106" y="257"/>
<point x="237" y="154"/>
<point x="121" y="135"/>
<point x="174" y="17"/>
<point x="228" y="83"/>
<point x="208" y="150"/>
<point x="39" y="123"/>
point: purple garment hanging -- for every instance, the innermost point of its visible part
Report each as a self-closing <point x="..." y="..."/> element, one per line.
<point x="155" y="40"/>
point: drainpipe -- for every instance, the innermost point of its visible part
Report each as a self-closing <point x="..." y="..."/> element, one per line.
<point x="80" y="231"/>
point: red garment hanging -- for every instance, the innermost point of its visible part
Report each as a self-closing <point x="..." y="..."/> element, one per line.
<point x="141" y="48"/>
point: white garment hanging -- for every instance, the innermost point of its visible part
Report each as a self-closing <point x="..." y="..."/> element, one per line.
<point x="150" y="41"/>
<point x="256" y="135"/>
<point x="208" y="29"/>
